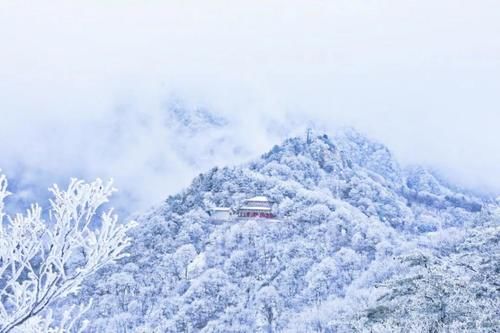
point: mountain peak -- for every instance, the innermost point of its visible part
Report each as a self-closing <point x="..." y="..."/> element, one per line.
<point x="347" y="149"/>
<point x="344" y="211"/>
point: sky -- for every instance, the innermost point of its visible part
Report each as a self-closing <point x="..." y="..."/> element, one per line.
<point x="85" y="85"/>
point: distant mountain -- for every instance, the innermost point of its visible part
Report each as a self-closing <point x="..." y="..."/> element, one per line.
<point x="192" y="119"/>
<point x="198" y="135"/>
<point x="360" y="245"/>
<point x="177" y="137"/>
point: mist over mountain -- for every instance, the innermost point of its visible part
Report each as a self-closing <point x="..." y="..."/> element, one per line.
<point x="293" y="166"/>
<point x="176" y="139"/>
<point x="359" y="244"/>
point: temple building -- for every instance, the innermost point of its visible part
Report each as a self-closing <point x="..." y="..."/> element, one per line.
<point x="256" y="207"/>
<point x="220" y="213"/>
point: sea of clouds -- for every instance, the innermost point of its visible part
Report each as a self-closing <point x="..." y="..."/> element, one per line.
<point x="86" y="87"/>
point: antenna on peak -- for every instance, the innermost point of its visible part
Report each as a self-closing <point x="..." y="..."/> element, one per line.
<point x="309" y="135"/>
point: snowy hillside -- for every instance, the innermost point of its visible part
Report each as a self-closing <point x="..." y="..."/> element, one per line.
<point x="359" y="244"/>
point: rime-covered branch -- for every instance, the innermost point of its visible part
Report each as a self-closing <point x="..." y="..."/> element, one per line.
<point x="44" y="261"/>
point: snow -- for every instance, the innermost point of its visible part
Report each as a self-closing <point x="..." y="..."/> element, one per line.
<point x="42" y="263"/>
<point x="364" y="245"/>
<point x="221" y="209"/>
<point x="258" y="199"/>
<point x="256" y="208"/>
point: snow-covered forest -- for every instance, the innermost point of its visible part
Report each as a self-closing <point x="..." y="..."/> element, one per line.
<point x="249" y="166"/>
<point x="359" y="245"/>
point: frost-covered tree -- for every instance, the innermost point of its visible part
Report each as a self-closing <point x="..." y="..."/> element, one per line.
<point x="43" y="261"/>
<point x="452" y="293"/>
<point x="182" y="257"/>
<point x="345" y="213"/>
<point x="268" y="305"/>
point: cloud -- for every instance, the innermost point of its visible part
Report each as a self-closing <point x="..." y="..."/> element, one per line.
<point x="84" y="85"/>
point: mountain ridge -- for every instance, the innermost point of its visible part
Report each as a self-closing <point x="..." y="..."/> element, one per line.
<point x="346" y="210"/>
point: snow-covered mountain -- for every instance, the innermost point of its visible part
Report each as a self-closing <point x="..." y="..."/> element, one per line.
<point x="359" y="244"/>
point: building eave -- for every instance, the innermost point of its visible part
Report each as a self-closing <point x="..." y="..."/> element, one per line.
<point x="256" y="208"/>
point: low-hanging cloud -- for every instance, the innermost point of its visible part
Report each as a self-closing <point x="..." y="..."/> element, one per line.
<point x="85" y="86"/>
